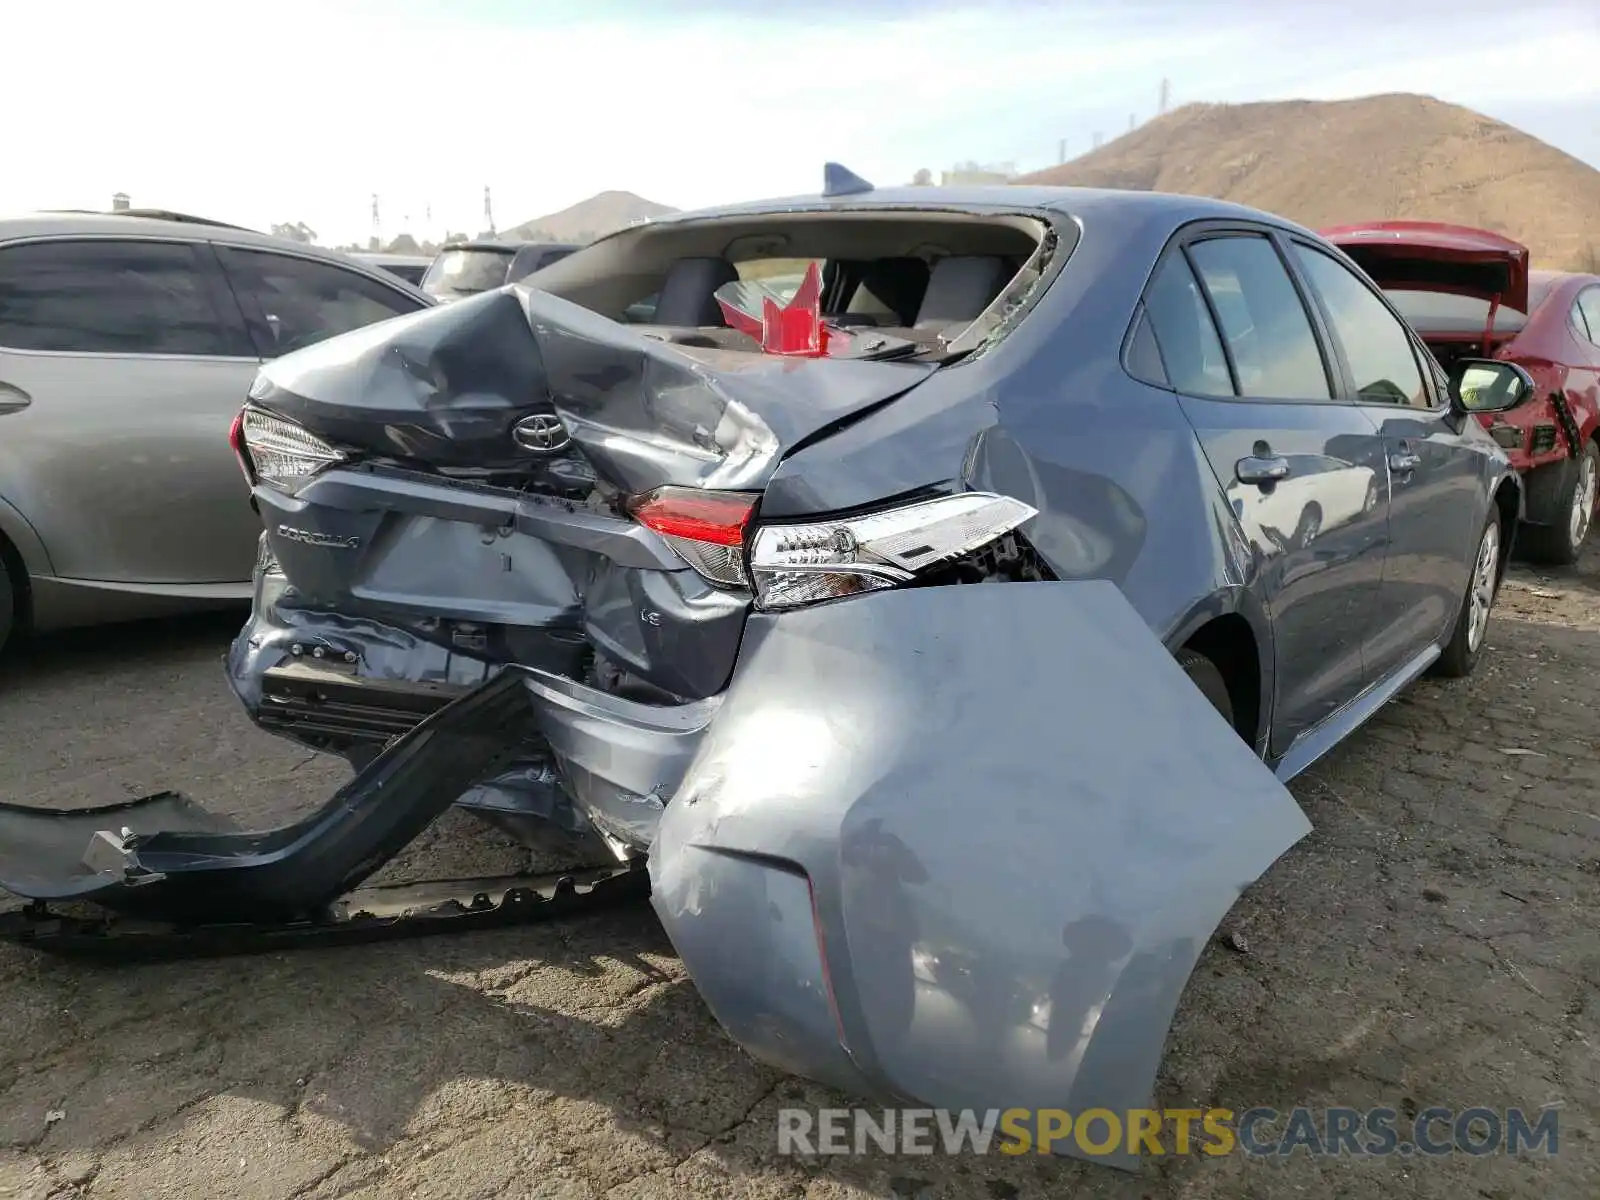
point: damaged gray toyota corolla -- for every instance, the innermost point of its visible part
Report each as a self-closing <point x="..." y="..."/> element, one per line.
<point x="705" y="501"/>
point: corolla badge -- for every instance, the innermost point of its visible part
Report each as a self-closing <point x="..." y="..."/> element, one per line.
<point x="542" y="433"/>
<point x="310" y="537"/>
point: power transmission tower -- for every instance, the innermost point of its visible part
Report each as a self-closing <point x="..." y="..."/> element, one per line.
<point x="488" y="212"/>
<point x="1098" y="139"/>
<point x="1166" y="95"/>
<point x="1061" y="153"/>
<point x="1132" y="121"/>
<point x="377" y="226"/>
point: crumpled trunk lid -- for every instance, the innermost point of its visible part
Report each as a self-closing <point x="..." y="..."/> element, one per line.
<point x="446" y="386"/>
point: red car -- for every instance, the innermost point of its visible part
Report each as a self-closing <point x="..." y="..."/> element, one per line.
<point x="1469" y="292"/>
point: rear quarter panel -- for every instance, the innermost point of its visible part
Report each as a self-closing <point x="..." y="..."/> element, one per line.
<point x="1050" y="417"/>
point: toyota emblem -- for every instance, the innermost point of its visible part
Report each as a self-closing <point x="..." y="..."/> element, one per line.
<point x="542" y="433"/>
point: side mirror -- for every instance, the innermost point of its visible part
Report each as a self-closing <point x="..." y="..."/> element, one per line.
<point x="1487" y="385"/>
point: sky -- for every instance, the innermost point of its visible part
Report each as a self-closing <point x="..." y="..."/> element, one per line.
<point x="302" y="110"/>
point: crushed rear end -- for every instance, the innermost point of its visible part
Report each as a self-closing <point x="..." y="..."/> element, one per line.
<point x="894" y="825"/>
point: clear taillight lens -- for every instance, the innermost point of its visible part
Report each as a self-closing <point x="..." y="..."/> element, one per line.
<point x="793" y="565"/>
<point x="280" y="452"/>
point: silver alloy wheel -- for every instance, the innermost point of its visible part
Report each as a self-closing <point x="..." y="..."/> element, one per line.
<point x="1583" y="499"/>
<point x="1480" y="596"/>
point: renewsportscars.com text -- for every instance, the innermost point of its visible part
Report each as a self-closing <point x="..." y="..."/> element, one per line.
<point x="1258" y="1132"/>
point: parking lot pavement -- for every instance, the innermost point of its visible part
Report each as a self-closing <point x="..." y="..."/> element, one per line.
<point x="1432" y="943"/>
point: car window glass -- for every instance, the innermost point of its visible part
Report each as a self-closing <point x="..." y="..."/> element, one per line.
<point x="1589" y="305"/>
<point x="1382" y="357"/>
<point x="304" y="301"/>
<point x="105" y="297"/>
<point x="466" y="271"/>
<point x="1263" y="321"/>
<point x="1184" y="332"/>
<point x="1144" y="356"/>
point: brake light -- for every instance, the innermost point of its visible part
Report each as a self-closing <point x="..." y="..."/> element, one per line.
<point x="240" y="454"/>
<point x="707" y="529"/>
<point x="715" y="517"/>
<point x="793" y="328"/>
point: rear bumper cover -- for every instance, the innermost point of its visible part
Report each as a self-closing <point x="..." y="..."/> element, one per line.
<point x="962" y="846"/>
<point x="953" y="846"/>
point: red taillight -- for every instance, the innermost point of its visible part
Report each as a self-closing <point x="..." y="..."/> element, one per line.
<point x="240" y="453"/>
<point x="716" y="518"/>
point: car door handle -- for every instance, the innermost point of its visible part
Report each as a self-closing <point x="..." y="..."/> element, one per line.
<point x="1262" y="470"/>
<point x="1404" y="462"/>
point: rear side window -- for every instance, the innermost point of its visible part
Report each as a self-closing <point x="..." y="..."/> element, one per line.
<point x="1184" y="332"/>
<point x="296" y="302"/>
<point x="107" y="297"/>
<point x="1264" y="324"/>
<point x="1382" y="357"/>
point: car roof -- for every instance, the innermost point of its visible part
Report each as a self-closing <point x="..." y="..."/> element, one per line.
<point x="993" y="198"/>
<point x="145" y="223"/>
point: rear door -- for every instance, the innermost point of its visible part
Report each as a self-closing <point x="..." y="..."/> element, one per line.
<point x="1302" y="467"/>
<point x="131" y="358"/>
<point x="1435" y="507"/>
<point x="292" y="301"/>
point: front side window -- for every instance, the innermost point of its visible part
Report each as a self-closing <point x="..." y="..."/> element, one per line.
<point x="1265" y="326"/>
<point x="302" y="301"/>
<point x="1382" y="358"/>
<point x="110" y="297"/>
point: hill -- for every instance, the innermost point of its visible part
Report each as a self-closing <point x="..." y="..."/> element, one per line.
<point x="1330" y="162"/>
<point x="587" y="219"/>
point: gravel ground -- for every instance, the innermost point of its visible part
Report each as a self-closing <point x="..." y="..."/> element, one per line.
<point x="1431" y="943"/>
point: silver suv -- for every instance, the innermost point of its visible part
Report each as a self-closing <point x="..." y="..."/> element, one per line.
<point x="127" y="344"/>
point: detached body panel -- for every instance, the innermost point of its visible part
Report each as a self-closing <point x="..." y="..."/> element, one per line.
<point x="986" y="893"/>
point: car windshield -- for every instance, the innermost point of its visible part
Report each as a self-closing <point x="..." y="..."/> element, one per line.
<point x="466" y="270"/>
<point x="1446" y="312"/>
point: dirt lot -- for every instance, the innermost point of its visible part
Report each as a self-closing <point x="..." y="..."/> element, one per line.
<point x="1431" y="943"/>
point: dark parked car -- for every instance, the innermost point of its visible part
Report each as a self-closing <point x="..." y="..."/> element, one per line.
<point x="1469" y="292"/>
<point x="956" y="845"/>
<point x="467" y="268"/>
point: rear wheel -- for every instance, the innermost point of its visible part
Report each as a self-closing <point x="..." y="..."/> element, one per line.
<point x="1578" y="482"/>
<point x="1472" y="622"/>
<point x="1203" y="673"/>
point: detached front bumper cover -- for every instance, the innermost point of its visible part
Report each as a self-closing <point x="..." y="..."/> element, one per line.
<point x="951" y="846"/>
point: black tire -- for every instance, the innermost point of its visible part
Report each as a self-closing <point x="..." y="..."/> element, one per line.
<point x="1560" y="543"/>
<point x="1462" y="651"/>
<point x="1308" y="527"/>
<point x="1203" y="673"/>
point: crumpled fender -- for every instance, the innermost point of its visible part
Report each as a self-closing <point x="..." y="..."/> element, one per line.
<point x="961" y="847"/>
